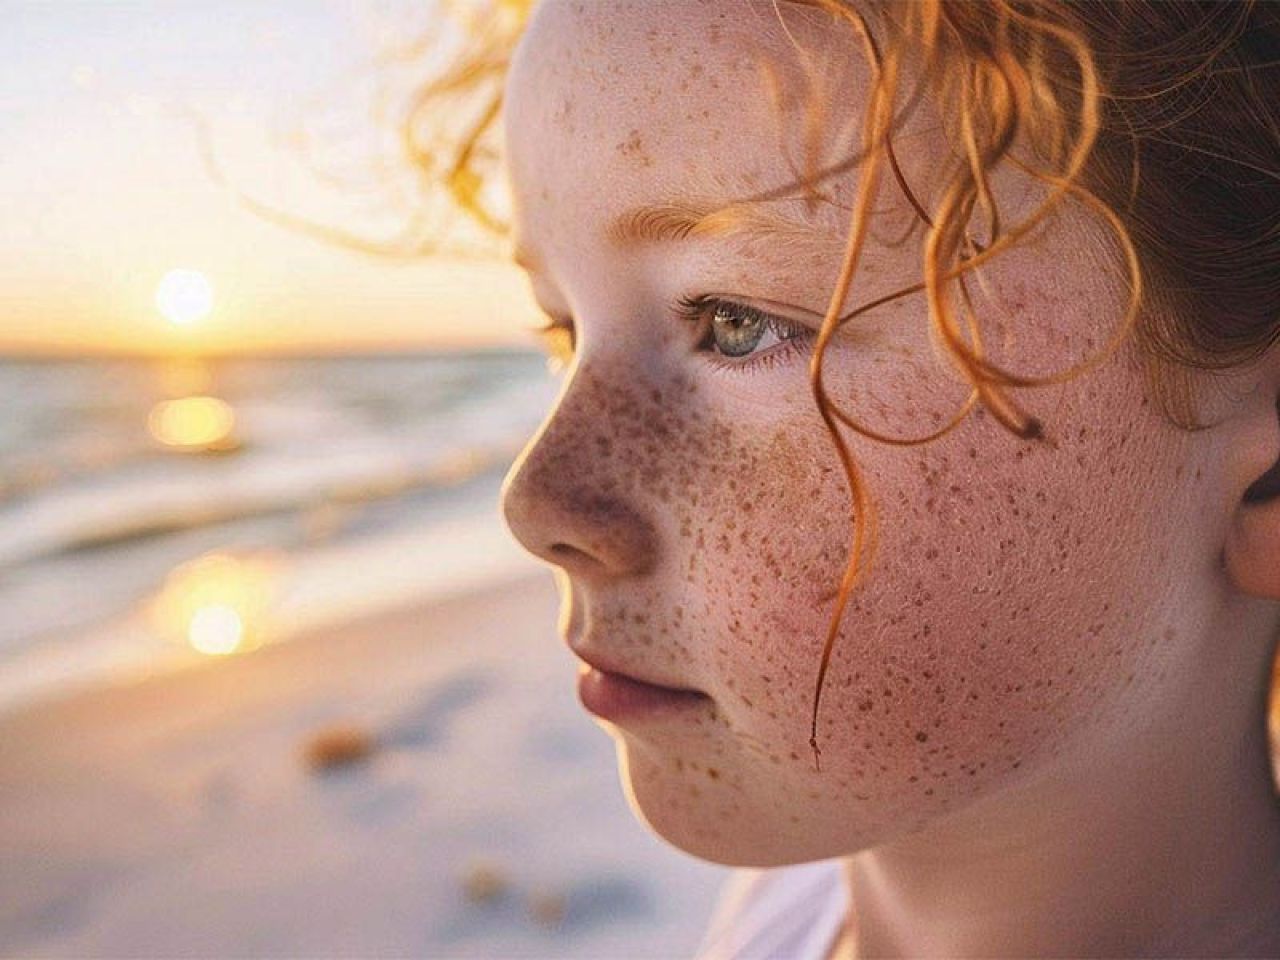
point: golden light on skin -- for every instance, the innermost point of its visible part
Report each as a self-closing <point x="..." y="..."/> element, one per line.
<point x="193" y="423"/>
<point x="184" y="297"/>
<point x="217" y="604"/>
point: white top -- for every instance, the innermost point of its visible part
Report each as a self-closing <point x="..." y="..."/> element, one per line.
<point x="785" y="913"/>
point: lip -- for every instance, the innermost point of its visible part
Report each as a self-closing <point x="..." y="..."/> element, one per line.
<point x="622" y="698"/>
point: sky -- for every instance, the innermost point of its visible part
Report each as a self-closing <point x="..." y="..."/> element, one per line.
<point x="105" y="189"/>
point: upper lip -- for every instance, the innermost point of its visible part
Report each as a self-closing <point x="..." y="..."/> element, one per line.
<point x="605" y="665"/>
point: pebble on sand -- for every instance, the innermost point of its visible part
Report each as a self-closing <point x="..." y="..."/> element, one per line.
<point x="547" y="907"/>
<point x="484" y="882"/>
<point x="338" y="746"/>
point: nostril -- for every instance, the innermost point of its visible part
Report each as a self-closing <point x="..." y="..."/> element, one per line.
<point x="565" y="553"/>
<point x="578" y="562"/>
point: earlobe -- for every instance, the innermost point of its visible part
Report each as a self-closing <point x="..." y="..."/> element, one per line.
<point x="1252" y="549"/>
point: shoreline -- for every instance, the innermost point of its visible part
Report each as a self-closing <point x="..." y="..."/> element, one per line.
<point x="324" y="587"/>
<point x="126" y="652"/>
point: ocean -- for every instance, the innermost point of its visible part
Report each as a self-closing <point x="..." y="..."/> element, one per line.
<point x="161" y="509"/>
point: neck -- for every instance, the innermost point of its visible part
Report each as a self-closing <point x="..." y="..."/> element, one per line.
<point x="1165" y="840"/>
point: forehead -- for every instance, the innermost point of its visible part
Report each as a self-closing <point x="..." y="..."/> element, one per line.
<point x="675" y="101"/>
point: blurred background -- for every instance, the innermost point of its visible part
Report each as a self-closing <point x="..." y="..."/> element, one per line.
<point x="274" y="678"/>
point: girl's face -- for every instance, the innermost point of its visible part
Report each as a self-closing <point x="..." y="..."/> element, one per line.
<point x="1026" y="601"/>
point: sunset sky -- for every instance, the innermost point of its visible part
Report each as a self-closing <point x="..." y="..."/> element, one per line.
<point x="105" y="190"/>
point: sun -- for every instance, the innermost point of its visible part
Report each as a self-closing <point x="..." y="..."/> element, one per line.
<point x="184" y="297"/>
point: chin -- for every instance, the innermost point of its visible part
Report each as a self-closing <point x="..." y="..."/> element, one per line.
<point x="710" y="824"/>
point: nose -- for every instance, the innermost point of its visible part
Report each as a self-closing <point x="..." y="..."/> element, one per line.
<point x="571" y="500"/>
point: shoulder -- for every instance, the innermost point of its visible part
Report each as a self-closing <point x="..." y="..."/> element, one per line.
<point x="792" y="912"/>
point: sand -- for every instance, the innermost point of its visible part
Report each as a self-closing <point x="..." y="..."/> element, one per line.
<point x="459" y="803"/>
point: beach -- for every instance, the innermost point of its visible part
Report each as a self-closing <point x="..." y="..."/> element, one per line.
<point x="417" y="782"/>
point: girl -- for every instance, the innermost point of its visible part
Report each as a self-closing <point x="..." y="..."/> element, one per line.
<point x="914" y="484"/>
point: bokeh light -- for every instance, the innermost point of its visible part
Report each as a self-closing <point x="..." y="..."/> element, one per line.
<point x="217" y="604"/>
<point x="216" y="630"/>
<point x="193" y="423"/>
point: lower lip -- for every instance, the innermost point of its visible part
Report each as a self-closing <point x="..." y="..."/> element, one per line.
<point x="620" y="699"/>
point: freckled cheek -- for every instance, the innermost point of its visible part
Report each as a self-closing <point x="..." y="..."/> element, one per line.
<point x="761" y="559"/>
<point x="967" y="653"/>
<point x="997" y="622"/>
<point x="976" y="650"/>
<point x="930" y="700"/>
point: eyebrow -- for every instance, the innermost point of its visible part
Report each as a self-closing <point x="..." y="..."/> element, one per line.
<point x="678" y="221"/>
<point x="668" y="222"/>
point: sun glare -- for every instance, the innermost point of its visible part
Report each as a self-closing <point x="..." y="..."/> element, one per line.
<point x="184" y="297"/>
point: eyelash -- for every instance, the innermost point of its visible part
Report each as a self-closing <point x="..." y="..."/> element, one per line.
<point x="559" y="342"/>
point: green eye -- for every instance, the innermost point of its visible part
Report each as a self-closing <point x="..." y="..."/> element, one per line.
<point x="737" y="329"/>
<point x="734" y="330"/>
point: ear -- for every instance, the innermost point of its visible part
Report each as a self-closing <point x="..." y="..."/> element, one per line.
<point x="1252" y="550"/>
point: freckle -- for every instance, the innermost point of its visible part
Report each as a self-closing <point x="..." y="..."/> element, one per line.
<point x="713" y="773"/>
<point x="921" y="736"/>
